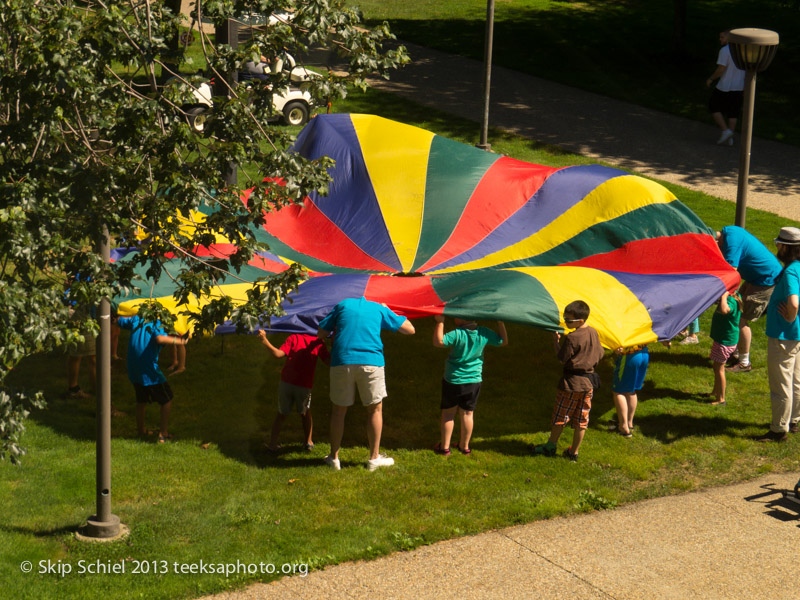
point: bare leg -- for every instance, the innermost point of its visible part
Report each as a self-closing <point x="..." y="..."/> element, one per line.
<point x="337" y="428"/>
<point x="448" y="416"/>
<point x="114" y="341"/>
<point x="577" y="438"/>
<point x="745" y="337"/>
<point x="276" y="430"/>
<point x="719" y="383"/>
<point x="73" y="371"/>
<point x="178" y="360"/>
<point x="732" y="123"/>
<point x="633" y="402"/>
<point x="374" y="428"/>
<point x="92" y="360"/>
<point x="165" y="410"/>
<point x="308" y="426"/>
<point x="623" y="416"/>
<point x="555" y="433"/>
<point x="467" y="422"/>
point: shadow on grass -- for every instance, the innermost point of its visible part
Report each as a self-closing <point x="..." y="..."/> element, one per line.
<point x="689" y="359"/>
<point x="42" y="533"/>
<point x="667" y="428"/>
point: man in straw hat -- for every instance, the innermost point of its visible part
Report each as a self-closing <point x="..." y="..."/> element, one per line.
<point x="783" y="344"/>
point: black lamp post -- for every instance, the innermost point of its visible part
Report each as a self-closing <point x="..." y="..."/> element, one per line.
<point x="752" y="51"/>
<point x="487" y="75"/>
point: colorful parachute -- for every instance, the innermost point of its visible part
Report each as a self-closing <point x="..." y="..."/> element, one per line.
<point x="428" y="225"/>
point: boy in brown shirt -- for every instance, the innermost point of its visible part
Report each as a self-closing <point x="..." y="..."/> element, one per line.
<point x="580" y="352"/>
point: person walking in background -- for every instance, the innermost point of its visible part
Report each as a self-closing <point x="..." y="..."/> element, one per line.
<point x="759" y="269"/>
<point x="727" y="97"/>
<point x="463" y="374"/>
<point x="783" y="343"/>
<point x="357" y="361"/>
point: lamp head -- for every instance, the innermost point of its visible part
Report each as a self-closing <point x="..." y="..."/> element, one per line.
<point x="752" y="49"/>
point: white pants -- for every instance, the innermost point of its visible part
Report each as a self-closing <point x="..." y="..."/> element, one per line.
<point x="783" y="367"/>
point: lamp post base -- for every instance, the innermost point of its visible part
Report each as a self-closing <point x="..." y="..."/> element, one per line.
<point x="102" y="531"/>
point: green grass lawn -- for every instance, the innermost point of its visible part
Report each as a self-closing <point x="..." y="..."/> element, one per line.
<point x="618" y="49"/>
<point x="216" y="495"/>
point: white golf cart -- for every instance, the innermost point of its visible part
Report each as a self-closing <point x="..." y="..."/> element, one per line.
<point x="293" y="105"/>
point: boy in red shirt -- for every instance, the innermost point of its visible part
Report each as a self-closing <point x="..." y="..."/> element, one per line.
<point x="297" y="378"/>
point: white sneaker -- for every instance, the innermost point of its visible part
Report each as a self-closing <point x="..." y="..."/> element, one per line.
<point x="333" y="463"/>
<point x="726" y="135"/>
<point x="730" y="141"/>
<point x="381" y="461"/>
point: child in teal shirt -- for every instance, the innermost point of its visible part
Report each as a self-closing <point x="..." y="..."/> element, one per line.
<point x="462" y="375"/>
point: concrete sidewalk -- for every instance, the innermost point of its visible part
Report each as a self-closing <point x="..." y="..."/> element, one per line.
<point x="650" y="142"/>
<point x="735" y="542"/>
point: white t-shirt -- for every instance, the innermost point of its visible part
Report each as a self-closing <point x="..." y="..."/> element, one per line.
<point x="732" y="79"/>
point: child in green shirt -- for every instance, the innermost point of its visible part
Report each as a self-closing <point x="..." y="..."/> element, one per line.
<point x="462" y="375"/>
<point x="725" y="333"/>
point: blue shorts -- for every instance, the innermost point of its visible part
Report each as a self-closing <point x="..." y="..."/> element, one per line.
<point x="630" y="371"/>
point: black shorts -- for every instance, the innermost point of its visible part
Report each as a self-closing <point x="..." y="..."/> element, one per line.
<point x="463" y="395"/>
<point x="727" y="103"/>
<point x="160" y="392"/>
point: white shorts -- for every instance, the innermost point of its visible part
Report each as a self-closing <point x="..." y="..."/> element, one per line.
<point x="369" y="379"/>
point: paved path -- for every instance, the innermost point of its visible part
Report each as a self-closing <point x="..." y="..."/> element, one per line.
<point x="652" y="143"/>
<point x="733" y="542"/>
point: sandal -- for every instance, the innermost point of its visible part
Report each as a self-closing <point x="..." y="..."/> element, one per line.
<point x="439" y="450"/>
<point x="625" y="434"/>
<point x="468" y="451"/>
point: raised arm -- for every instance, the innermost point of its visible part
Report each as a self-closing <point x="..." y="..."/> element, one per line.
<point x="438" y="331"/>
<point x="501" y="329"/>
<point x="723" y="303"/>
<point x="173" y="340"/>
<point x="276" y="352"/>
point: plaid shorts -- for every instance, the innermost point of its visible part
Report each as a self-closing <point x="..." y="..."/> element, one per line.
<point x="573" y="407"/>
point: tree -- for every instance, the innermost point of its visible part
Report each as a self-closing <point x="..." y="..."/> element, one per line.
<point x="91" y="139"/>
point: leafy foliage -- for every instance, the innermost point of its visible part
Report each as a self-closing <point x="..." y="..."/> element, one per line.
<point x="92" y="140"/>
<point x="589" y="501"/>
